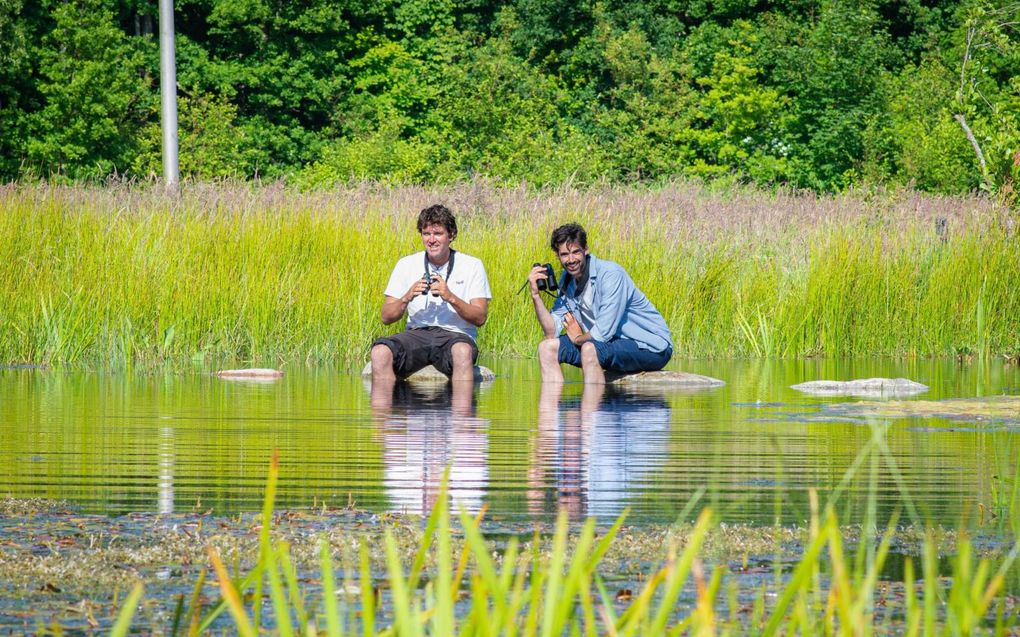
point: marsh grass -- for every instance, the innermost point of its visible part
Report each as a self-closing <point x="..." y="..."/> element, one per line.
<point x="555" y="585"/>
<point x="125" y="275"/>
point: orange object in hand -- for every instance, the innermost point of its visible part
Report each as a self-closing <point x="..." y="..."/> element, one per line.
<point x="574" y="328"/>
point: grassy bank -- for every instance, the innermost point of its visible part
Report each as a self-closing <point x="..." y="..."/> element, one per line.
<point x="126" y="275"/>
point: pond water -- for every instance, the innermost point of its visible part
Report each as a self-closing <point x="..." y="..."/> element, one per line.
<point x="121" y="442"/>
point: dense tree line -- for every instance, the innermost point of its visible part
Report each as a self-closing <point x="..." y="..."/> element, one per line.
<point x="819" y="94"/>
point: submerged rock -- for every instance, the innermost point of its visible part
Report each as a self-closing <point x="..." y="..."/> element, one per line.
<point x="663" y="379"/>
<point x="1001" y="410"/>
<point x="430" y="374"/>
<point x="862" y="387"/>
<point x="252" y="373"/>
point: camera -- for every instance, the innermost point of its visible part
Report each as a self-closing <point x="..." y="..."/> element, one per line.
<point x="427" y="278"/>
<point x="548" y="283"/>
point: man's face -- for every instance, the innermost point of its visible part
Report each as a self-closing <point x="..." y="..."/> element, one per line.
<point x="571" y="257"/>
<point x="437" y="242"/>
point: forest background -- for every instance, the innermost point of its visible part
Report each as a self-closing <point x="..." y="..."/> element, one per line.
<point x="810" y="94"/>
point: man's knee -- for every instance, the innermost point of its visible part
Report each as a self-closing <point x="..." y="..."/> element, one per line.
<point x="382" y="356"/>
<point x="589" y="354"/>
<point x="549" y="349"/>
<point x="462" y="354"/>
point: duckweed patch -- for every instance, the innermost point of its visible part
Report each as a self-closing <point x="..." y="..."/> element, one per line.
<point x="1002" y="409"/>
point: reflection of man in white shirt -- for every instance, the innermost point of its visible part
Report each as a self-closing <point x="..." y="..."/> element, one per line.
<point x="445" y="294"/>
<point x="423" y="436"/>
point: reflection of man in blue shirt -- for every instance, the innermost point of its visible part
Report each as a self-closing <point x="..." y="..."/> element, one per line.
<point x="599" y="454"/>
<point x="610" y="324"/>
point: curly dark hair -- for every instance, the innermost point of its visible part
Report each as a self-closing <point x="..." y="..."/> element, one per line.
<point x="569" y="233"/>
<point x="438" y="214"/>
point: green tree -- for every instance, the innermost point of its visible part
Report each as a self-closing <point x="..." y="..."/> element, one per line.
<point x="210" y="144"/>
<point x="499" y="116"/>
<point x="385" y="109"/>
<point x="740" y="123"/>
<point x="15" y="87"/>
<point x="987" y="98"/>
<point x="281" y="64"/>
<point x="94" y="91"/>
<point x="647" y="114"/>
<point x="837" y="76"/>
<point x="953" y="124"/>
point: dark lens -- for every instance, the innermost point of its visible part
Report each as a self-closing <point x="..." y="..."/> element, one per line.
<point x="552" y="277"/>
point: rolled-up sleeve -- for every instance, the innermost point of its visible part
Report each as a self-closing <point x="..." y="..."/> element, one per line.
<point x="558" y="311"/>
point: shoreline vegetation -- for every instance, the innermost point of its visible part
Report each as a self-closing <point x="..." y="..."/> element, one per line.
<point x="392" y="574"/>
<point x="126" y="275"/>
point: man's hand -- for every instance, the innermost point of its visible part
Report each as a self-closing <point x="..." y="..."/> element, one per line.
<point x="414" y="291"/>
<point x="538" y="273"/>
<point x="440" y="289"/>
<point x="393" y="308"/>
<point x="474" y="311"/>
<point x="574" y="329"/>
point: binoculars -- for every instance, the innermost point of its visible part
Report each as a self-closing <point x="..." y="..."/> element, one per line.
<point x="427" y="278"/>
<point x="548" y="283"/>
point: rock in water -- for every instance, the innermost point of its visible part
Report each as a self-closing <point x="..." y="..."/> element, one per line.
<point x="663" y="379"/>
<point x="866" y="387"/>
<point x="430" y="374"/>
<point x="252" y="373"/>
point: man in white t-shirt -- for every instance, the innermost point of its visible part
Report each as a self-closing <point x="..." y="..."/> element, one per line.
<point x="445" y="294"/>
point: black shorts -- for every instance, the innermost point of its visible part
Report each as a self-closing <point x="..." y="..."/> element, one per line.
<point x="417" y="348"/>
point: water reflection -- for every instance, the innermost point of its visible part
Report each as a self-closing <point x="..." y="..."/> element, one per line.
<point x="595" y="450"/>
<point x="165" y="486"/>
<point x="424" y="429"/>
<point x="120" y="442"/>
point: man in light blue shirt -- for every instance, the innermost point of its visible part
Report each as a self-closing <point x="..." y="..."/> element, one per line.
<point x="610" y="324"/>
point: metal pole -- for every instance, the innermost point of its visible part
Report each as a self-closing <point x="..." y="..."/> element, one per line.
<point x="168" y="93"/>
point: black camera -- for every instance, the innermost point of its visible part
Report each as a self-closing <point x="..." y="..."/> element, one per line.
<point x="548" y="283"/>
<point x="427" y="278"/>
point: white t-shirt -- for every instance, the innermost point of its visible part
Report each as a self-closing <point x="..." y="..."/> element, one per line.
<point x="468" y="281"/>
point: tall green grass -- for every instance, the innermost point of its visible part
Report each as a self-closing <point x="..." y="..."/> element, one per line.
<point x="556" y="587"/>
<point x="127" y="275"/>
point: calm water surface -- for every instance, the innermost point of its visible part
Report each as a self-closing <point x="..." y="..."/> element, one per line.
<point x="119" y="442"/>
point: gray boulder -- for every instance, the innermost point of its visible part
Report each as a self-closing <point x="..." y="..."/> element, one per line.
<point x="430" y="374"/>
<point x="680" y="380"/>
<point x="865" y="387"/>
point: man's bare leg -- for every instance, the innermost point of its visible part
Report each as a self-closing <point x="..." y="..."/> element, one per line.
<point x="382" y="396"/>
<point x="463" y="367"/>
<point x="461" y="395"/>
<point x="543" y="463"/>
<point x="549" y="360"/>
<point x="593" y="373"/>
<point x="591" y="397"/>
<point x="382" y="364"/>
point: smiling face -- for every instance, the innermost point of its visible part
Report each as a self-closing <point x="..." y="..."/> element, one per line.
<point x="436" y="240"/>
<point x="571" y="256"/>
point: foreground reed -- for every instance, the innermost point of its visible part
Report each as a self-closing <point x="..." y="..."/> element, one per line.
<point x="127" y="275"/>
<point x="556" y="588"/>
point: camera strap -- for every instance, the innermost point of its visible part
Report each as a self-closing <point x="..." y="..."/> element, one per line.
<point x="525" y="285"/>
<point x="429" y="268"/>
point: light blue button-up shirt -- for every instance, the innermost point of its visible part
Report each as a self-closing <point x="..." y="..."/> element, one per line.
<point x="621" y="310"/>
